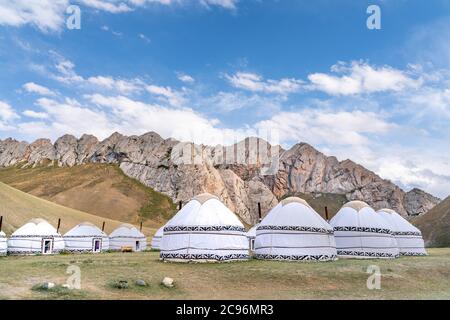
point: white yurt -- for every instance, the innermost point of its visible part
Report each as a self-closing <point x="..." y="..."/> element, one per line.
<point x="251" y="236"/>
<point x="35" y="237"/>
<point x="127" y="238"/>
<point x="156" y="240"/>
<point x="3" y="244"/>
<point x="293" y="231"/>
<point x="409" y="238"/>
<point x="204" y="230"/>
<point x="362" y="233"/>
<point x="85" y="238"/>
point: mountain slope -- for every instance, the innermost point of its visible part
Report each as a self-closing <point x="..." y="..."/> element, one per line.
<point x="99" y="189"/>
<point x="435" y="225"/>
<point x="18" y="207"/>
<point x="234" y="173"/>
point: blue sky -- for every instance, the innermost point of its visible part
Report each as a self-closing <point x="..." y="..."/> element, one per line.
<point x="215" y="71"/>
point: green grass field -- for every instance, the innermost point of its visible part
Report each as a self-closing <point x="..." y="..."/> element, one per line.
<point x="403" y="278"/>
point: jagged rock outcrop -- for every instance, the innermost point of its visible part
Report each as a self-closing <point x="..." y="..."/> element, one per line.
<point x="237" y="174"/>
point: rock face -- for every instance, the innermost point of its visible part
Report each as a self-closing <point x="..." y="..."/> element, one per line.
<point x="242" y="175"/>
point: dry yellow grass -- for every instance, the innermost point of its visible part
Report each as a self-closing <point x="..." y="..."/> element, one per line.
<point x="403" y="278"/>
<point x="18" y="207"/>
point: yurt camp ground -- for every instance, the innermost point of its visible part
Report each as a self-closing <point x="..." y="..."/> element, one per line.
<point x="403" y="278"/>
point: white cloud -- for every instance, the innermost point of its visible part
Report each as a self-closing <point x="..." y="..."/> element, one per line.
<point x="174" y="98"/>
<point x="36" y="88"/>
<point x="7" y="113"/>
<point x="254" y="82"/>
<point x="359" y="77"/>
<point x="108" y="6"/>
<point x="144" y="37"/>
<point x="35" y="115"/>
<point x="46" y="15"/>
<point x="185" y="78"/>
<point x="327" y="127"/>
<point x="120" y="85"/>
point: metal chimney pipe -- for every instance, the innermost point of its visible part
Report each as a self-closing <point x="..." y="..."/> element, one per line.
<point x="259" y="212"/>
<point x="103" y="226"/>
<point x="59" y="225"/>
<point x="1" y="222"/>
<point x="140" y="229"/>
<point x="326" y="213"/>
<point x="180" y="205"/>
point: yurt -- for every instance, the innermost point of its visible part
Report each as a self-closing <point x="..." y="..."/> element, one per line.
<point x="35" y="237"/>
<point x="3" y="244"/>
<point x="362" y="233"/>
<point x="127" y="238"/>
<point x="409" y="238"/>
<point x="204" y="230"/>
<point x="293" y="231"/>
<point x="156" y="240"/>
<point x="85" y="238"/>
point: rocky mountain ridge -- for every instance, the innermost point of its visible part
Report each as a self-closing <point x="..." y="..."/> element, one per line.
<point x="238" y="175"/>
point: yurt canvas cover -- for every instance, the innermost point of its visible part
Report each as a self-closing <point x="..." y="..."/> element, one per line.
<point x="3" y="244"/>
<point x="156" y="240"/>
<point x="127" y="237"/>
<point x="84" y="238"/>
<point x="35" y="237"/>
<point x="294" y="231"/>
<point x="409" y="238"/>
<point x="362" y="233"/>
<point x="204" y="230"/>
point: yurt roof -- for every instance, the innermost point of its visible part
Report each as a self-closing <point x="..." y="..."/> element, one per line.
<point x="36" y="226"/>
<point x="126" y="229"/>
<point x="294" y="212"/>
<point x="37" y="221"/>
<point x="205" y="210"/>
<point x="390" y="211"/>
<point x="86" y="227"/>
<point x="202" y="198"/>
<point x="294" y="200"/>
<point x="357" y="205"/>
<point x="160" y="232"/>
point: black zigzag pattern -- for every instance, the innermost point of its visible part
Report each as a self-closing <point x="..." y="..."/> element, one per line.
<point x="366" y="254"/>
<point x="363" y="229"/>
<point x="321" y="257"/>
<point x="204" y="228"/>
<point x="296" y="228"/>
<point x="204" y="256"/>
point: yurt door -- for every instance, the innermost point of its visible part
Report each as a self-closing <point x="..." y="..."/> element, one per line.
<point x="138" y="245"/>
<point x="47" y="246"/>
<point x="97" y="245"/>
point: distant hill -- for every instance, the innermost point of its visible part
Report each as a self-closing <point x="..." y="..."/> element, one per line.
<point x="435" y="225"/>
<point x="18" y="207"/>
<point x="100" y="189"/>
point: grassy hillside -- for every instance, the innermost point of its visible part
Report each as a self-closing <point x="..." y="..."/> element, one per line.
<point x="435" y="225"/>
<point x="319" y="201"/>
<point x="18" y="207"/>
<point x="99" y="189"/>
<point x="403" y="278"/>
